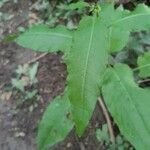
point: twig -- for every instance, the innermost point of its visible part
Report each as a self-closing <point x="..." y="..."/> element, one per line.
<point x="37" y="58"/>
<point x="142" y="81"/>
<point x="105" y="112"/>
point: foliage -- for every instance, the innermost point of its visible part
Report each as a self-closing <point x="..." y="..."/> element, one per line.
<point x="144" y="65"/>
<point x="56" y="122"/>
<point x="134" y="125"/>
<point x="5" y="16"/>
<point x="2" y="2"/>
<point x="90" y="73"/>
<point x="103" y="136"/>
<point x="53" y="12"/>
<point x="51" y="40"/>
<point x="24" y="81"/>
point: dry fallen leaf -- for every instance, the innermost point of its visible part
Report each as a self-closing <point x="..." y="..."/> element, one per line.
<point x="6" y="95"/>
<point x="32" y="18"/>
<point x="25" y="80"/>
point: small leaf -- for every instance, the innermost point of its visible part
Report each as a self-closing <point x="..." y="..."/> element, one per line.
<point x="18" y="84"/>
<point x="32" y="72"/>
<point x="10" y="38"/>
<point x="144" y="65"/>
<point x="128" y="105"/>
<point x="21" y="29"/>
<point x="55" y="124"/>
<point x="41" y="38"/>
<point x="22" y="69"/>
<point x="31" y="94"/>
<point x="78" y="5"/>
<point x="102" y="134"/>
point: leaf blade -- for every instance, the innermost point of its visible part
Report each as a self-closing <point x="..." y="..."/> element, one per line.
<point x="131" y="21"/>
<point x="144" y="65"/>
<point x="84" y="76"/>
<point x="122" y="22"/>
<point x="55" y="124"/>
<point x="129" y="106"/>
<point x="43" y="39"/>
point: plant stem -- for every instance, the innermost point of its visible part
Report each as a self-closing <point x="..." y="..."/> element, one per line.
<point x="37" y="58"/>
<point x="142" y="81"/>
<point x="108" y="120"/>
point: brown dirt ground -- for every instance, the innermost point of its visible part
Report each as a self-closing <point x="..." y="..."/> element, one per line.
<point x="51" y="77"/>
<point x="51" y="82"/>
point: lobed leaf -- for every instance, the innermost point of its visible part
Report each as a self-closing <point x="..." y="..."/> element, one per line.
<point x="43" y="39"/>
<point x="128" y="105"/>
<point x="55" y="124"/>
<point x="87" y="61"/>
<point x="144" y="65"/>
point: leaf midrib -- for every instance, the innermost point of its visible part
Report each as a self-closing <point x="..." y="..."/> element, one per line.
<point x="48" y="34"/>
<point x="130" y="98"/>
<point x="109" y="38"/>
<point x="87" y="59"/>
<point x="129" y="17"/>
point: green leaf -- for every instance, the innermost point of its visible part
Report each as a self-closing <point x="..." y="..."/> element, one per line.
<point x="131" y="21"/>
<point x="31" y="94"/>
<point x="55" y="124"/>
<point x="18" y="84"/>
<point x="128" y="104"/>
<point x="116" y="42"/>
<point x="10" y="38"/>
<point x="33" y="71"/>
<point x="121" y="22"/>
<point x="144" y="65"/>
<point x="23" y="69"/>
<point x="108" y="16"/>
<point x="87" y="61"/>
<point x="43" y="39"/>
<point x="78" y="5"/>
<point x="102" y="134"/>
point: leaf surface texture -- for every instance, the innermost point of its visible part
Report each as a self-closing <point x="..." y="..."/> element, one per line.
<point x="44" y="39"/>
<point x="128" y="104"/>
<point x="55" y="124"/>
<point x="87" y="61"/>
<point x="144" y="65"/>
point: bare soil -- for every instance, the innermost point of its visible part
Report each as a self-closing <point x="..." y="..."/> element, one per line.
<point x="17" y="119"/>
